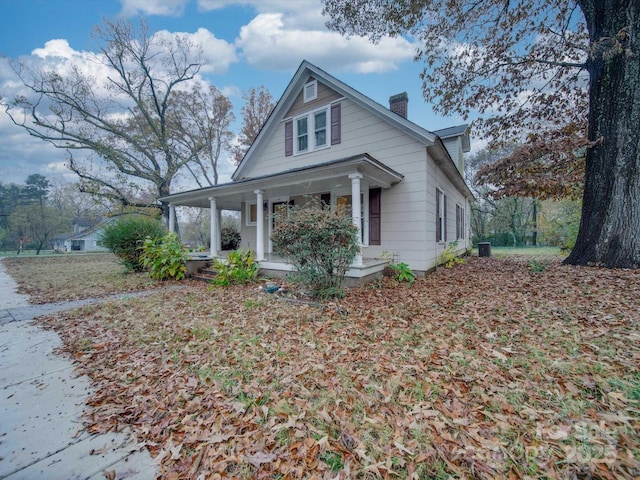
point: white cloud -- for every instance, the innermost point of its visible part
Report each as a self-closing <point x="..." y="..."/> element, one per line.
<point x="171" y="8"/>
<point x="301" y="14"/>
<point x="22" y="155"/>
<point x="231" y="91"/>
<point x="283" y="33"/>
<point x="268" y="42"/>
<point x="218" y="54"/>
<point x="55" y="48"/>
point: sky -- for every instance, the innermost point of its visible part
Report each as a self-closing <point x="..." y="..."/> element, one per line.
<point x="247" y="43"/>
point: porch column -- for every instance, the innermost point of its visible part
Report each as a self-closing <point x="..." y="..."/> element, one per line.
<point x="172" y="218"/>
<point x="219" y="245"/>
<point x="356" y="212"/>
<point x="215" y="230"/>
<point x="259" y="226"/>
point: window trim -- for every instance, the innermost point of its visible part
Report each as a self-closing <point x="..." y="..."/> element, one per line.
<point x="312" y="84"/>
<point x="311" y="130"/>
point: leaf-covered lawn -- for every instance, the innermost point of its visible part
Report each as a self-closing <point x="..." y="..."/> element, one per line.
<point x="73" y="277"/>
<point x="499" y="368"/>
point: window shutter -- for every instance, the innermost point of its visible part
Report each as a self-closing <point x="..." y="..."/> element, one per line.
<point x="438" y="223"/>
<point x="288" y="138"/>
<point x="375" y="195"/>
<point x="335" y="124"/>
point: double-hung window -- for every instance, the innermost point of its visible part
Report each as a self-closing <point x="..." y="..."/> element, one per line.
<point x="459" y="222"/>
<point x="311" y="131"/>
<point x="316" y="129"/>
<point x="441" y="216"/>
<point x="320" y="125"/>
<point x="302" y="134"/>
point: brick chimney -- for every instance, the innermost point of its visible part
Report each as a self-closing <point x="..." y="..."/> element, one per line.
<point x="399" y="104"/>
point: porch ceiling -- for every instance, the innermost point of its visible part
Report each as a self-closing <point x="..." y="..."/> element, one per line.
<point x="317" y="178"/>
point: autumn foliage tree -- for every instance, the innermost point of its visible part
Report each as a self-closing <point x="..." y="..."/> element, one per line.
<point x="202" y="119"/>
<point x="257" y="108"/>
<point x="564" y="76"/>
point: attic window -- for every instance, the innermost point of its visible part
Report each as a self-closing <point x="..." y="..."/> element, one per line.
<point x="310" y="91"/>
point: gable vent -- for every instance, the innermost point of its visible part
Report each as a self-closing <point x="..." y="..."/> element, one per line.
<point x="310" y="91"/>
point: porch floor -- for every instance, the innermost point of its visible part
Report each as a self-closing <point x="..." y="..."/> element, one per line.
<point x="275" y="266"/>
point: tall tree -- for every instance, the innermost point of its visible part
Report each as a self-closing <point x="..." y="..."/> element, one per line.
<point x="202" y="117"/>
<point x="257" y="108"/>
<point x="37" y="224"/>
<point x="10" y="197"/>
<point x="30" y="218"/>
<point x="36" y="189"/>
<point x="538" y="66"/>
<point x="125" y="122"/>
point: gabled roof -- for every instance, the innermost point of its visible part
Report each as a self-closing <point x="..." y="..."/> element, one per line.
<point x="456" y="131"/>
<point x="304" y="72"/>
<point x="84" y="233"/>
<point x="85" y="221"/>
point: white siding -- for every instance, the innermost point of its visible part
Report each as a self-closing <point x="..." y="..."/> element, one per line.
<point x="408" y="208"/>
<point x="454" y="147"/>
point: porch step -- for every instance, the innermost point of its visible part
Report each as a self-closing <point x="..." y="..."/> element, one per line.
<point x="201" y="278"/>
<point x="204" y="275"/>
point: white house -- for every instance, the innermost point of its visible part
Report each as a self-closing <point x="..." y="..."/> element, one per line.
<point x="324" y="139"/>
<point x="85" y="236"/>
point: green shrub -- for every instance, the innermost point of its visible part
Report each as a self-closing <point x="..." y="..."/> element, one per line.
<point x="125" y="237"/>
<point x="320" y="244"/>
<point x="239" y="267"/>
<point x="229" y="238"/>
<point x="537" y="266"/>
<point x="402" y="272"/>
<point x="449" y="257"/>
<point x="165" y="257"/>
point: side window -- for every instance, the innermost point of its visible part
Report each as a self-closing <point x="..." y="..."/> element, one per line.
<point x="441" y="216"/>
<point x="459" y="222"/>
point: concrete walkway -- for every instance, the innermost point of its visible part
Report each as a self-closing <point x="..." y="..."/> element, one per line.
<point x="42" y="400"/>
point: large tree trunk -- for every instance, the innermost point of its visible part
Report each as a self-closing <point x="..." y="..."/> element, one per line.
<point x="609" y="232"/>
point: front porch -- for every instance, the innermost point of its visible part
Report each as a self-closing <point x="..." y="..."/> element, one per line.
<point x="353" y="184"/>
<point x="274" y="266"/>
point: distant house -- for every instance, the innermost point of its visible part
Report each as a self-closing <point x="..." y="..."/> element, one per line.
<point x="402" y="183"/>
<point x="85" y="236"/>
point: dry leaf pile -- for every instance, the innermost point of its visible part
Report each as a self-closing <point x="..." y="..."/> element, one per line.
<point x="487" y="370"/>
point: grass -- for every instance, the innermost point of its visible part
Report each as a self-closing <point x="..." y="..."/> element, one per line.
<point x="501" y="252"/>
<point x="490" y="369"/>
<point x="61" y="277"/>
